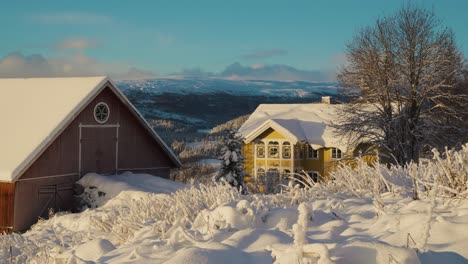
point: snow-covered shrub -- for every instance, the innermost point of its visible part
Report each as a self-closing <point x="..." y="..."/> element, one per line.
<point x="449" y="172"/>
<point x="232" y="170"/>
<point x="300" y="228"/>
<point x="90" y="198"/>
<point x="362" y="178"/>
<point x="22" y="250"/>
<point x="164" y="211"/>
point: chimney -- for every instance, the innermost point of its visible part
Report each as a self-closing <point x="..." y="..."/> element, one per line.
<point x="326" y="99"/>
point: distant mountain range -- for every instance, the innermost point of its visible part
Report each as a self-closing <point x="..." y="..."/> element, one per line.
<point x="233" y="87"/>
<point x="193" y="105"/>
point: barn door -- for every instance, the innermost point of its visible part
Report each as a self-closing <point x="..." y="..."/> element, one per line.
<point x="55" y="197"/>
<point x="98" y="149"/>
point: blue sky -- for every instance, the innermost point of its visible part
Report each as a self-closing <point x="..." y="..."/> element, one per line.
<point x="166" y="37"/>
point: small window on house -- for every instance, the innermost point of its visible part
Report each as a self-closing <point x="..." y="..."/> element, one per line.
<point x="101" y="112"/>
<point x="260" y="149"/>
<point x="286" y="150"/>
<point x="336" y="153"/>
<point x="260" y="173"/>
<point x="314" y="175"/>
<point x="312" y="153"/>
<point x="273" y="150"/>
<point x="286" y="174"/>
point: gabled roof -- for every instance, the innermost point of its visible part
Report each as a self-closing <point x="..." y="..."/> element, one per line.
<point x="34" y="111"/>
<point x="297" y="122"/>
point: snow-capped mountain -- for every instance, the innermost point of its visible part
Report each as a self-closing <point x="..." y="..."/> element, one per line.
<point x="192" y="104"/>
<point x="235" y="87"/>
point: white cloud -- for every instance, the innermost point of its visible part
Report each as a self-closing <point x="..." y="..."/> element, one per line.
<point x="257" y="65"/>
<point x="17" y="65"/>
<point x="72" y="18"/>
<point x="262" y="54"/>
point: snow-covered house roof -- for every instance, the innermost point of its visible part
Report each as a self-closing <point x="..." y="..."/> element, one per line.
<point x="297" y="122"/>
<point x="34" y="111"/>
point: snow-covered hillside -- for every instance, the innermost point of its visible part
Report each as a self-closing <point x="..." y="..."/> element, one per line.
<point x="366" y="216"/>
<point x="236" y="87"/>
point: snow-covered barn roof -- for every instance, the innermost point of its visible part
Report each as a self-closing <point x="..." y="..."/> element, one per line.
<point x="33" y="111"/>
<point x="297" y="122"/>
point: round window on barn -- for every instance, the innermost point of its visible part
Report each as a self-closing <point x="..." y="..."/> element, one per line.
<point x="101" y="112"/>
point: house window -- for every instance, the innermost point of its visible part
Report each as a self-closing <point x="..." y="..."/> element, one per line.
<point x="260" y="150"/>
<point x="286" y="150"/>
<point x="101" y="112"/>
<point x="286" y="174"/>
<point x="314" y="175"/>
<point x="260" y="173"/>
<point x="336" y="153"/>
<point x="312" y="153"/>
<point x="273" y="150"/>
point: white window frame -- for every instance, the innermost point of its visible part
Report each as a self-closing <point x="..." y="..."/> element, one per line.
<point x="309" y="147"/>
<point x="260" y="168"/>
<point x="336" y="150"/>
<point x="108" y="113"/>
<point x="284" y="145"/>
<point x="288" y="173"/>
<point x="272" y="145"/>
<point x="258" y="145"/>
<point x="311" y="174"/>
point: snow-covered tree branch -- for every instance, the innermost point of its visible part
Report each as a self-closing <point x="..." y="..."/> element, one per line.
<point x="405" y="76"/>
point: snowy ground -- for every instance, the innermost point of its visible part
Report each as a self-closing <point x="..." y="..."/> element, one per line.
<point x="138" y="222"/>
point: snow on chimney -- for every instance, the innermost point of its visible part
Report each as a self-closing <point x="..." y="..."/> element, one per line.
<point x="326" y="99"/>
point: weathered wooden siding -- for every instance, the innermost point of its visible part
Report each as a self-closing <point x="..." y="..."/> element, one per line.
<point x="47" y="182"/>
<point x="137" y="149"/>
<point x="34" y="198"/>
<point x="7" y="196"/>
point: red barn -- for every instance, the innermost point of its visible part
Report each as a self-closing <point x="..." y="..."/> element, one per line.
<point x="55" y="130"/>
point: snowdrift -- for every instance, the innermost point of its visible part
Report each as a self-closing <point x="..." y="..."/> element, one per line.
<point x="145" y="219"/>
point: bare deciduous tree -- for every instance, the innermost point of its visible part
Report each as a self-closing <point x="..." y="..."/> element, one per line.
<point x="402" y="77"/>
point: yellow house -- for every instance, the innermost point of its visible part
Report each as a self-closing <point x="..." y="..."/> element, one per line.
<point x="280" y="139"/>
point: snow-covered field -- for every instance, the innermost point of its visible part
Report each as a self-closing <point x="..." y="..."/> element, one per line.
<point x="363" y="219"/>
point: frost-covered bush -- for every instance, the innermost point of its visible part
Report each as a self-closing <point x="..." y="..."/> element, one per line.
<point x="449" y="171"/>
<point x="90" y="198"/>
<point x="232" y="162"/>
<point x="120" y="221"/>
<point x="20" y="249"/>
<point x="164" y="211"/>
<point x="169" y="216"/>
